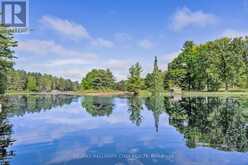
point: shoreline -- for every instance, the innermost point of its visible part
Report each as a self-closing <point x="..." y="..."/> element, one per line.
<point x="125" y="93"/>
<point x="115" y="93"/>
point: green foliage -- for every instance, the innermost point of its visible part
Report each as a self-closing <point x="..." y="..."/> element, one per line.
<point x="215" y="122"/>
<point x="135" y="106"/>
<point x="155" y="104"/>
<point x="210" y="66"/>
<point x="31" y="84"/>
<point x="157" y="77"/>
<point x="135" y="83"/>
<point x="45" y="82"/>
<point x="229" y="60"/>
<point x="182" y="68"/>
<point x="36" y="82"/>
<point x="121" y="85"/>
<point x="148" y="80"/>
<point x="98" y="79"/>
<point x="16" y="80"/>
<point x="6" y="56"/>
<point x="25" y="104"/>
<point x="2" y="82"/>
<point x="154" y="81"/>
<point x="6" y="135"/>
<point x="222" y="63"/>
<point x="167" y="82"/>
<point x="98" y="106"/>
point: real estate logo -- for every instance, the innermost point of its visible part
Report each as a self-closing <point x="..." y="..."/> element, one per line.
<point x="15" y="15"/>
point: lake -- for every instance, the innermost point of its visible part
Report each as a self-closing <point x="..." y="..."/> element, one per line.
<point x="70" y="130"/>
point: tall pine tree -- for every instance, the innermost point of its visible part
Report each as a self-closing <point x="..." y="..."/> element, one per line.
<point x="157" y="85"/>
<point x="6" y="56"/>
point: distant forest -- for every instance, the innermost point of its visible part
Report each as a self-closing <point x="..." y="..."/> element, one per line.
<point x="37" y="82"/>
<point x="211" y="66"/>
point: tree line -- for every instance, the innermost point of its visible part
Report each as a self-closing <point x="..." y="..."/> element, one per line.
<point x="99" y="79"/>
<point x="222" y="63"/>
<point x="18" y="80"/>
<point x="217" y="64"/>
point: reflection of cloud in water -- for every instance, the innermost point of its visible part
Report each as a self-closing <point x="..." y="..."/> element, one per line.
<point x="133" y="150"/>
<point x="58" y="125"/>
<point x="72" y="118"/>
<point x="134" y="162"/>
<point x="101" y="141"/>
<point x="181" y="158"/>
<point x="118" y="117"/>
<point x="72" y="153"/>
<point x="147" y="140"/>
<point x="70" y="133"/>
<point x="119" y="163"/>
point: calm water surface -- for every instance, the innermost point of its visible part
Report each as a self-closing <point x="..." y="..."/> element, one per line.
<point x="69" y="130"/>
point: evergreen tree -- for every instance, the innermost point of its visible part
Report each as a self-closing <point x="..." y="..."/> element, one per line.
<point x="20" y="80"/>
<point x="6" y="56"/>
<point x="157" y="85"/>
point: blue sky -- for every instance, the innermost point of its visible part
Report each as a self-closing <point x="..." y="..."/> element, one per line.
<point x="69" y="38"/>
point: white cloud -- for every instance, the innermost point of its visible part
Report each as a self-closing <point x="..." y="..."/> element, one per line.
<point x="69" y="61"/>
<point x="234" y="33"/>
<point x="43" y="47"/>
<point x="74" y="64"/>
<point x="74" y="74"/>
<point x="147" y="44"/>
<point x="117" y="64"/>
<point x="184" y="18"/>
<point x="65" y="154"/>
<point x="65" y="27"/>
<point x="40" y="47"/>
<point x="74" y="31"/>
<point x="119" y="67"/>
<point x="120" y="76"/>
<point x="99" y="42"/>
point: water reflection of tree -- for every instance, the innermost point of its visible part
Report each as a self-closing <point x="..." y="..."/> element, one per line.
<point x="157" y="106"/>
<point x="5" y="135"/>
<point x="220" y="123"/>
<point x="20" y="105"/>
<point x="98" y="106"/>
<point x="135" y="106"/>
